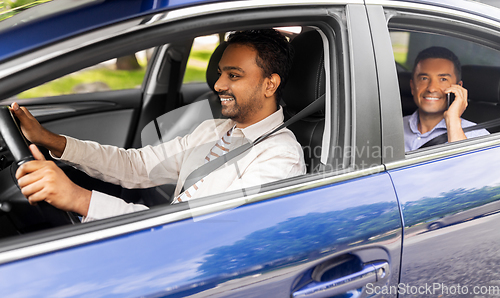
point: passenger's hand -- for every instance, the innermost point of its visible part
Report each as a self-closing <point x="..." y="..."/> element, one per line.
<point x="36" y="133"/>
<point x="42" y="180"/>
<point x="454" y="112"/>
<point x="457" y="108"/>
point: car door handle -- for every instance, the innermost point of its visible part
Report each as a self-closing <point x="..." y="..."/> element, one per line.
<point x="370" y="273"/>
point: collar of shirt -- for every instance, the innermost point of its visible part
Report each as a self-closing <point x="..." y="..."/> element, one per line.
<point x="255" y="130"/>
<point x="413" y="121"/>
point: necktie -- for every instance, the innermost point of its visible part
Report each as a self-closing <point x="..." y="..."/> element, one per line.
<point x="220" y="148"/>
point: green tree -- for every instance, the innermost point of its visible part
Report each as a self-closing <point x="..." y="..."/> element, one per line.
<point x="9" y="8"/>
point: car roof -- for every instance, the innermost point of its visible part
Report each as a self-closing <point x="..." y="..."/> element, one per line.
<point x="59" y="19"/>
<point x="485" y="8"/>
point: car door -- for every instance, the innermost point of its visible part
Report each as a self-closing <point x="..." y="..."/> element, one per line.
<point x="334" y="231"/>
<point x="448" y="193"/>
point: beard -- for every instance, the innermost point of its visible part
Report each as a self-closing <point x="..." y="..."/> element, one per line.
<point x="239" y="110"/>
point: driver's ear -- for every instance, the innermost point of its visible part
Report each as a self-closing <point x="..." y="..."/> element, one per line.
<point x="461" y="83"/>
<point x="272" y="84"/>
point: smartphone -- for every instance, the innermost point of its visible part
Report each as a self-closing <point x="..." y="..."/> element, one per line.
<point x="450" y="97"/>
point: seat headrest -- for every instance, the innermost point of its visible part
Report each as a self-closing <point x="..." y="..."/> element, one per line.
<point x="482" y="83"/>
<point x="306" y="81"/>
<point x="213" y="64"/>
<point x="407" y="103"/>
<point x="404" y="78"/>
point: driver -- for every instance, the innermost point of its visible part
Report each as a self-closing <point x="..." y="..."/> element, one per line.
<point x="436" y="72"/>
<point x="253" y="71"/>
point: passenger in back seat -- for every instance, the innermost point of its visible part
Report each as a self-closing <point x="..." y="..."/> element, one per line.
<point x="436" y="73"/>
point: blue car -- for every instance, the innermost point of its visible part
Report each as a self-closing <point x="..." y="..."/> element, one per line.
<point x="367" y="219"/>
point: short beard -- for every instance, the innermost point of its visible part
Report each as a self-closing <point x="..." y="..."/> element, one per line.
<point x="240" y="113"/>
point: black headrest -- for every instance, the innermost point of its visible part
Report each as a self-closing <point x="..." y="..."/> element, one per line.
<point x="306" y="81"/>
<point x="404" y="78"/>
<point x="213" y="64"/>
<point x="482" y="83"/>
<point x="407" y="103"/>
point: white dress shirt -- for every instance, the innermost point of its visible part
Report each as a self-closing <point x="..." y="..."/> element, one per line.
<point x="278" y="157"/>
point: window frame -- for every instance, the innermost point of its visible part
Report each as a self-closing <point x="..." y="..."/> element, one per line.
<point x="422" y="18"/>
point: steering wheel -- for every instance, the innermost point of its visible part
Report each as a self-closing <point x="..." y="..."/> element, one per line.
<point x="13" y="204"/>
<point x="13" y="137"/>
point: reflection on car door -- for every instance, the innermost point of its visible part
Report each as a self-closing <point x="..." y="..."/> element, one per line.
<point x="272" y="247"/>
<point x="443" y="249"/>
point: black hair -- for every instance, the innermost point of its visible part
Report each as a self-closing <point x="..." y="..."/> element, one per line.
<point x="442" y="53"/>
<point x="274" y="52"/>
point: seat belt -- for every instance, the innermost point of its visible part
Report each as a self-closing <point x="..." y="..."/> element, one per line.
<point x="214" y="164"/>
<point x="441" y="139"/>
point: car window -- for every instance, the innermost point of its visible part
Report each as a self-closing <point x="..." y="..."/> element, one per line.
<point x="202" y="49"/>
<point x="125" y="72"/>
<point x="206" y="107"/>
<point x="173" y="119"/>
<point x="480" y="66"/>
<point x="406" y="45"/>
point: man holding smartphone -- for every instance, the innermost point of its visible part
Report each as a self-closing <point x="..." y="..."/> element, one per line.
<point x="436" y="78"/>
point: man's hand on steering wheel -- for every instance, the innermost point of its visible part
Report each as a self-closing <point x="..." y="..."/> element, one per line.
<point x="36" y="133"/>
<point x="42" y="180"/>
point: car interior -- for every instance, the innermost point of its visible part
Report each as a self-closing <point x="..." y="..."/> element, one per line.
<point x="298" y="94"/>
<point x="481" y="81"/>
<point x="482" y="84"/>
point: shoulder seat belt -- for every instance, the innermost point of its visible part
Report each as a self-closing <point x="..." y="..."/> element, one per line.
<point x="211" y="166"/>
<point x="441" y="139"/>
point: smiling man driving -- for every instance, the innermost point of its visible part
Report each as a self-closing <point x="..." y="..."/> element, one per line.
<point x="253" y="71"/>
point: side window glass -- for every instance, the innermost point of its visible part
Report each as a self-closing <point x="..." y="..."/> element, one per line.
<point x="406" y="46"/>
<point x="202" y="49"/>
<point x="121" y="73"/>
<point x="479" y="73"/>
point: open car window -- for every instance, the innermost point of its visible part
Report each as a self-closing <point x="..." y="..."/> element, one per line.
<point x="479" y="56"/>
<point x="173" y="97"/>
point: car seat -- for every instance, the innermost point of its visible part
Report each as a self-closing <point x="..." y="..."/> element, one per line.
<point x="306" y="82"/>
<point x="407" y="103"/>
<point x="483" y="86"/>
<point x="212" y="77"/>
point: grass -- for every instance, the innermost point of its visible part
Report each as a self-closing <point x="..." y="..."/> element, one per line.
<point x="400" y="54"/>
<point x="194" y="75"/>
<point x="196" y="66"/>
<point x="115" y="79"/>
<point x="6" y="12"/>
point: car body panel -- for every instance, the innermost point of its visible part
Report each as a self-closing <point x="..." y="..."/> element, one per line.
<point x="446" y="187"/>
<point x="448" y="197"/>
<point x="235" y="250"/>
<point x="74" y="20"/>
<point x="469" y="7"/>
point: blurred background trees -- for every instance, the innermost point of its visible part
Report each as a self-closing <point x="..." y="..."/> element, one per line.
<point x="9" y="8"/>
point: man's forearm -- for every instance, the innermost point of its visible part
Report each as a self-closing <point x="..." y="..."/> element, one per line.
<point x="54" y="142"/>
<point x="455" y="131"/>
